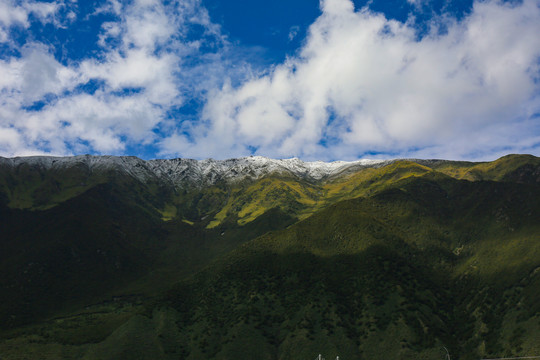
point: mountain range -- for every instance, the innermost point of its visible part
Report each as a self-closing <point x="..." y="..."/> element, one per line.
<point x="105" y="257"/>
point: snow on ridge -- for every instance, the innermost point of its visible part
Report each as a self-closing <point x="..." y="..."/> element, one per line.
<point x="315" y="170"/>
<point x="198" y="172"/>
<point x="255" y="167"/>
<point x="126" y="164"/>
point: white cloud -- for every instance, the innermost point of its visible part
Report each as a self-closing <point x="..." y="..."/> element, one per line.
<point x="147" y="24"/>
<point x="360" y="83"/>
<point x="417" y="3"/>
<point x="363" y="83"/>
<point x="293" y="31"/>
<point x="14" y="13"/>
<point x="136" y="68"/>
<point x="111" y="30"/>
<point x="138" y="76"/>
<point x="45" y="11"/>
<point x="9" y="139"/>
<point x="11" y="14"/>
<point x="40" y="74"/>
<point x="99" y="119"/>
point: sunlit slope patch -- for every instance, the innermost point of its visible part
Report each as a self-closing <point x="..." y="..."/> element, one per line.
<point x="431" y="209"/>
<point x="40" y="183"/>
<point x="371" y="180"/>
<point x="196" y="205"/>
<point x="426" y="263"/>
<point x="301" y="198"/>
<point x="31" y="187"/>
<point x="254" y="199"/>
<point x="514" y="168"/>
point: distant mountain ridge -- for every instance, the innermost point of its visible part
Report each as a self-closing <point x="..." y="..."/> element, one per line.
<point x="209" y="171"/>
<point x="243" y="187"/>
<point x="201" y="172"/>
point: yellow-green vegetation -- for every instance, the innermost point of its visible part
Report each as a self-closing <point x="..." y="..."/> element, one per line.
<point x="36" y="189"/>
<point x="372" y="180"/>
<point x="295" y="196"/>
<point x="251" y="201"/>
<point x="247" y="202"/>
<point x="398" y="261"/>
<point x="169" y="212"/>
<point x="497" y="170"/>
<point x="39" y="197"/>
<point x="427" y="262"/>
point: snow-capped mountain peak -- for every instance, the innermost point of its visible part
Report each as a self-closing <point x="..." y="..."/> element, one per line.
<point x="198" y="172"/>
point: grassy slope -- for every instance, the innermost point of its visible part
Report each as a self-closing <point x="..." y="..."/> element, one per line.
<point x="417" y="262"/>
<point x="515" y="168"/>
<point x="300" y="199"/>
<point x="247" y="201"/>
<point x="31" y="187"/>
<point x="397" y="275"/>
<point x="34" y="188"/>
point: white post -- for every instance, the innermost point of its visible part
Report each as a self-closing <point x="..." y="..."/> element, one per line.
<point x="447" y="353"/>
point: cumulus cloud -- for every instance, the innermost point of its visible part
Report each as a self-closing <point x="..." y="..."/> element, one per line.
<point x="16" y="14"/>
<point x="10" y="14"/>
<point x="364" y="84"/>
<point x="360" y="85"/>
<point x="136" y="78"/>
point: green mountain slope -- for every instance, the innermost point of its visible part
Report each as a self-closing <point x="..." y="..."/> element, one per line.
<point x="109" y="240"/>
<point x="246" y="201"/>
<point x="511" y="168"/>
<point x="398" y="275"/>
<point x="397" y="261"/>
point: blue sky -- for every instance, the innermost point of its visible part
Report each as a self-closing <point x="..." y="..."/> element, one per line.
<point x="328" y="80"/>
